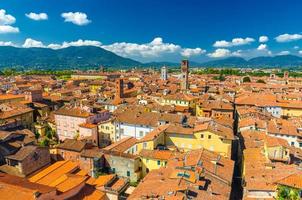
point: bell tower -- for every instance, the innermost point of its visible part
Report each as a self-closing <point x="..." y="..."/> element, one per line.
<point x="184" y="75"/>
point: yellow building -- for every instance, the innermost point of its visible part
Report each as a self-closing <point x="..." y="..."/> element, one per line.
<point x="290" y="111"/>
<point x="95" y="87"/>
<point x="211" y="136"/>
<point x="106" y="130"/>
<point x="215" y="109"/>
<point x="17" y="114"/>
<point x="10" y="98"/>
<point x="152" y="139"/>
<point x="154" y="159"/>
<point x="180" y="100"/>
<point x="277" y="149"/>
<point x="215" y="138"/>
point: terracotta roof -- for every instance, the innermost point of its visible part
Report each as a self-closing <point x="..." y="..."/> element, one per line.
<point x="138" y="116"/>
<point x="72" y="145"/>
<point x="23" y="183"/>
<point x="49" y="175"/>
<point x="91" y="153"/>
<point x="10" y="96"/>
<point x="15" y="109"/>
<point x="293" y="180"/>
<point x="23" y="152"/>
<point x="103" y="180"/>
<point x="74" y="112"/>
<point x="122" y="145"/>
<point x="154" y="134"/>
<point x="156" y="154"/>
<point x="186" y="172"/>
<point x="88" y="125"/>
<point x="89" y="193"/>
<point x="274" y="141"/>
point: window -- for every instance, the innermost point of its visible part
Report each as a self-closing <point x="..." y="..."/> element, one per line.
<point x="158" y="162"/>
<point x="121" y="131"/>
<point x="144" y="145"/>
<point x="141" y="133"/>
<point x="292" y="143"/>
<point x="128" y="173"/>
<point x="300" y="144"/>
<point x="147" y="161"/>
<point x="209" y="136"/>
<point x="201" y="136"/>
<point x="113" y="170"/>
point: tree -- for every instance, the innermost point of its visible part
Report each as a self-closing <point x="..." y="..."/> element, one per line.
<point x="220" y="78"/>
<point x="37" y="135"/>
<point x="9" y="72"/>
<point x="246" y="79"/>
<point x="260" y="81"/>
<point x="45" y="142"/>
<point x="49" y="133"/>
<point x="287" y="193"/>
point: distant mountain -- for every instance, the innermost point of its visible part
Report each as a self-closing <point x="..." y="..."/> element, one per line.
<point x="169" y="64"/>
<point x="160" y="64"/>
<point x="89" y="57"/>
<point x="283" y="61"/>
<point x="274" y="61"/>
<point x="67" y="58"/>
<point x="227" y="62"/>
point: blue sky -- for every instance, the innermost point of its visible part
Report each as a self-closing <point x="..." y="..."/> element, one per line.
<point x="157" y="30"/>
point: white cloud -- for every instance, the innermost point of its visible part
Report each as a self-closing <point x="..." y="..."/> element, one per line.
<point x="296" y="47"/>
<point x="237" y="53"/>
<point x="222" y="43"/>
<point x="6" y="21"/>
<point x="220" y="53"/>
<point x="234" y="42"/>
<point x="156" y="48"/>
<point x="37" y="16"/>
<point x="288" y="37"/>
<point x="187" y="52"/>
<point x="282" y="53"/>
<point x="79" y="42"/>
<point x="82" y="43"/>
<point x="300" y="52"/>
<point x="2" y="43"/>
<point x="8" y="29"/>
<point x="54" y="46"/>
<point x="77" y="18"/>
<point x="262" y="47"/>
<point x="29" y="43"/>
<point x="263" y="39"/>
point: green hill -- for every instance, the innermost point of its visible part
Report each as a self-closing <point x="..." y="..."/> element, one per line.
<point x="67" y="58"/>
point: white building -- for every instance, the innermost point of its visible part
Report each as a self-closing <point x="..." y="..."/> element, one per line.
<point x="164" y="73"/>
